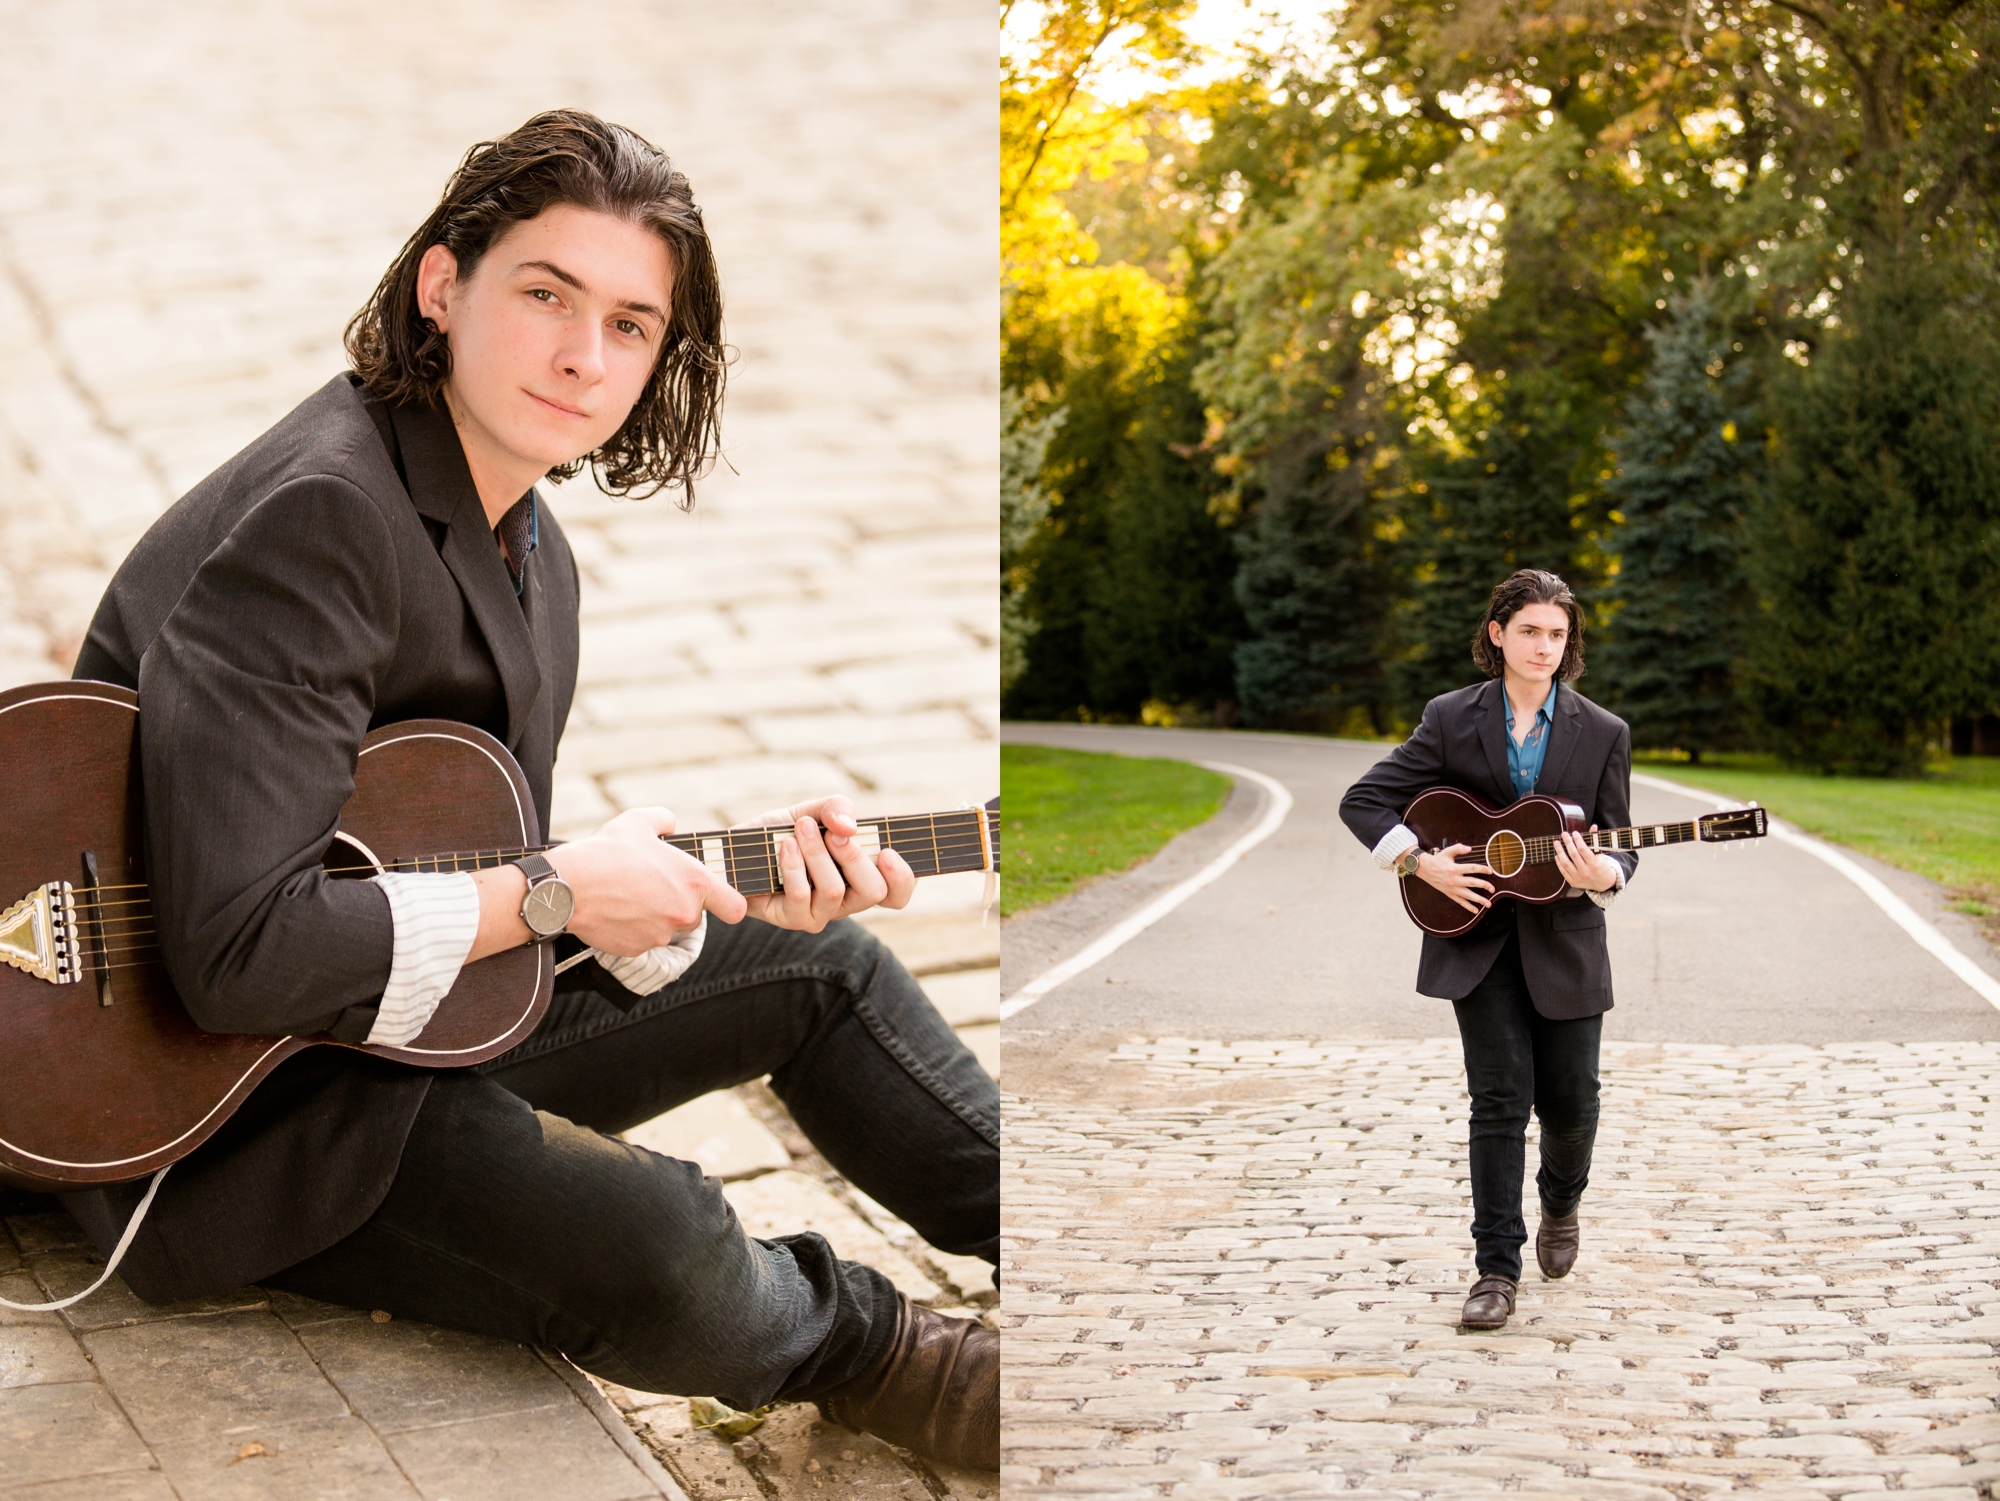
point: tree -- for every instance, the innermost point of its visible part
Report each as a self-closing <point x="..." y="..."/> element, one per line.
<point x="1680" y="603"/>
<point x="1024" y="444"/>
<point x="1875" y="541"/>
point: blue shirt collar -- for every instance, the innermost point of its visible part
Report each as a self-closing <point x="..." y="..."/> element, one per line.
<point x="1546" y="714"/>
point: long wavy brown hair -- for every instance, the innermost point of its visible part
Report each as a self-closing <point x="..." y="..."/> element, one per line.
<point x="1529" y="586"/>
<point x="568" y="156"/>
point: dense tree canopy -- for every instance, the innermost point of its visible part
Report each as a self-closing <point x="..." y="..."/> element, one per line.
<point x="1480" y="285"/>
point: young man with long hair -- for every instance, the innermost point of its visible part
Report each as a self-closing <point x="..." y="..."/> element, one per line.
<point x="383" y="554"/>
<point x="1530" y="983"/>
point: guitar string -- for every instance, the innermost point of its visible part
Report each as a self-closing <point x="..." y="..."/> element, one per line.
<point x="745" y="851"/>
<point x="952" y="841"/>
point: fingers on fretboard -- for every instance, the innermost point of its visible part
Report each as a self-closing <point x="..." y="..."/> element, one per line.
<point x="930" y="843"/>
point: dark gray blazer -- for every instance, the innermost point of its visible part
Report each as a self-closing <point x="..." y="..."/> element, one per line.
<point x="1462" y="742"/>
<point x="336" y="575"/>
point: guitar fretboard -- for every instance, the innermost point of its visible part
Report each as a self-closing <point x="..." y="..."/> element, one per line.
<point x="1542" y="848"/>
<point x="933" y="844"/>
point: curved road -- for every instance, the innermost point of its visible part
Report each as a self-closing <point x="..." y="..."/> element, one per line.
<point x="1305" y="938"/>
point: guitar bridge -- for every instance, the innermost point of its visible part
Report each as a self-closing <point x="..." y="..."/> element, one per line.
<point x="38" y="934"/>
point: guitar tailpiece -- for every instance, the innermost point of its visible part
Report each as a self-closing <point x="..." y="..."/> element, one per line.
<point x="38" y="934"/>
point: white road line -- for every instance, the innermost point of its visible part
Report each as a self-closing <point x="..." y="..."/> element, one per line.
<point x="1929" y="938"/>
<point x="1119" y="934"/>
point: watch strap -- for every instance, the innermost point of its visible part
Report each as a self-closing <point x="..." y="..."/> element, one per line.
<point x="536" y="868"/>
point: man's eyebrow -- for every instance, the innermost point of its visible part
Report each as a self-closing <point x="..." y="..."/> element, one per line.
<point x="568" y="280"/>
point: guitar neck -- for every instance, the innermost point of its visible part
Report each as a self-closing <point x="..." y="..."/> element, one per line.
<point x="933" y="844"/>
<point x="1541" y="849"/>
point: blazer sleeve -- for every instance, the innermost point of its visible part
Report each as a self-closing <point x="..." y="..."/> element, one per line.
<point x="1374" y="803"/>
<point x="1614" y="795"/>
<point x="254" y="697"/>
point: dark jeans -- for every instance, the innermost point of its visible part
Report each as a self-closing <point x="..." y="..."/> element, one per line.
<point x="1514" y="1058"/>
<point x="514" y="1214"/>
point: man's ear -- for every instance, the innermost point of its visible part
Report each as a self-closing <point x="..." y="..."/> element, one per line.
<point x="1492" y="626"/>
<point x="437" y="278"/>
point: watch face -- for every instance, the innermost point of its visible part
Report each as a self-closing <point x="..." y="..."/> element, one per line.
<point x="547" y="908"/>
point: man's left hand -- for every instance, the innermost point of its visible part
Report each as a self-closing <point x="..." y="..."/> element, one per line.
<point x="832" y="876"/>
<point x="1582" y="866"/>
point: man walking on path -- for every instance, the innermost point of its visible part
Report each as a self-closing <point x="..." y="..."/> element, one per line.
<point x="1530" y="984"/>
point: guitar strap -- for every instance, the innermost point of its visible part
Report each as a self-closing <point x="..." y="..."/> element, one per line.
<point x="117" y="1254"/>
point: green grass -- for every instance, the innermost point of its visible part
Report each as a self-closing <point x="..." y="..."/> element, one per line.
<point x="1070" y="816"/>
<point x="1945" y="825"/>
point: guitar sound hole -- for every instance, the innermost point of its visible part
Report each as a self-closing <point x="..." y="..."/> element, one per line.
<point x="1505" y="852"/>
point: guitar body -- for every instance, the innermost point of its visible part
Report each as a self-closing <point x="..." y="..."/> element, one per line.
<point x="1445" y="816"/>
<point x="92" y="1094"/>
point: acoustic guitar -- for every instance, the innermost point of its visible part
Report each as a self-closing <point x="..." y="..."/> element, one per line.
<point x="1519" y="843"/>
<point x="105" y="1078"/>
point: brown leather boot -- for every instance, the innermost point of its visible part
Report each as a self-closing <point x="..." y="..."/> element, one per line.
<point x="1491" y="1302"/>
<point x="936" y="1391"/>
<point x="1556" y="1239"/>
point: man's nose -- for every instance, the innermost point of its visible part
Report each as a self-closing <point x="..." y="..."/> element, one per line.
<point x="582" y="353"/>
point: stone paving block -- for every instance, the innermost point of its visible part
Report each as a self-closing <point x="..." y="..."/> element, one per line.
<point x="672" y="698"/>
<point x="65" y="1431"/>
<point x="73" y="1269"/>
<point x="788" y="1202"/>
<point x="918" y="684"/>
<point x="527" y="1456"/>
<point x="985" y="1045"/>
<point x="126" y="1485"/>
<point x="37" y="1354"/>
<point x="221" y="1374"/>
<point x="966" y="998"/>
<point x="338" y="1460"/>
<point x="931" y="943"/>
<point x="590" y="751"/>
<point x="836" y="733"/>
<point x="744" y="789"/>
<point x="973" y="767"/>
<point x="406" y="1374"/>
<point x="719" y="1133"/>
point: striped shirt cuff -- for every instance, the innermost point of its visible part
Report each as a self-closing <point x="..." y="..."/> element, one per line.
<point x="654" y="970"/>
<point x="436" y="918"/>
<point x="1606" y="898"/>
<point x="1394" y="845"/>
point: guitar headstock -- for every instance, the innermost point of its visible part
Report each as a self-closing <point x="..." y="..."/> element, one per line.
<point x="1736" y="823"/>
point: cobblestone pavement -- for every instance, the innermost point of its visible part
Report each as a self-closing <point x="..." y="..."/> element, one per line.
<point x="1235" y="1271"/>
<point x="193" y="202"/>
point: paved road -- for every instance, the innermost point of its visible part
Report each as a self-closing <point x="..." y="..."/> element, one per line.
<point x="1237" y="1202"/>
<point x="1756" y="943"/>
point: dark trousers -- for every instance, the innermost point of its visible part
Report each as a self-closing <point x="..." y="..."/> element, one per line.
<point x="1516" y="1058"/>
<point x="515" y="1214"/>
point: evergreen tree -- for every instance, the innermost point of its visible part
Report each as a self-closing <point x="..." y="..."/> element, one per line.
<point x="1475" y="518"/>
<point x="1875" y="542"/>
<point x="1314" y="590"/>
<point x="1680" y="601"/>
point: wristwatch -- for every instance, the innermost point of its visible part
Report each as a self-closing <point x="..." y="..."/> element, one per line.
<point x="547" y="906"/>
<point x="1406" y="863"/>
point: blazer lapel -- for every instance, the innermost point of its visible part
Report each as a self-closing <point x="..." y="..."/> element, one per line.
<point x="1566" y="730"/>
<point x="441" y="488"/>
<point x="1493" y="735"/>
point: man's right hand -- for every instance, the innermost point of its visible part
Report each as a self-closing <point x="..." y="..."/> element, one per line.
<point x="633" y="890"/>
<point x="1461" y="883"/>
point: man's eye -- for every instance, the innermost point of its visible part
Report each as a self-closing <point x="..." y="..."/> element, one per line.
<point x="541" y="294"/>
<point x="628" y="327"/>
